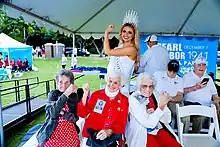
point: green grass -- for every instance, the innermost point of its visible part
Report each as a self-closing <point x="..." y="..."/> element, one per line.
<point x="47" y="70"/>
<point x="15" y="136"/>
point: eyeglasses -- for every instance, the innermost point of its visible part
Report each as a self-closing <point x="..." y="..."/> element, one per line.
<point x="147" y="86"/>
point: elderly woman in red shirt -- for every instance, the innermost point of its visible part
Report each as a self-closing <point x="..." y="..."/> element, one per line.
<point x="106" y="114"/>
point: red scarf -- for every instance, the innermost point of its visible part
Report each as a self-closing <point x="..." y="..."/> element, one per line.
<point x="152" y="102"/>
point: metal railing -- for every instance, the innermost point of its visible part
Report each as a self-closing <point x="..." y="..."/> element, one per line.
<point x="17" y="89"/>
<point x="28" y="97"/>
<point x="29" y="112"/>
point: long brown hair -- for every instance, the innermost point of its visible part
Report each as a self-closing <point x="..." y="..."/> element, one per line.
<point x="135" y="41"/>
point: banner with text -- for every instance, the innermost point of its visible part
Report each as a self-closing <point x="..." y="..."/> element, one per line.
<point x="186" y="49"/>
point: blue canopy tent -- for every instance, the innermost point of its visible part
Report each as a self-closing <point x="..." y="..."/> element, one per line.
<point x="15" y="49"/>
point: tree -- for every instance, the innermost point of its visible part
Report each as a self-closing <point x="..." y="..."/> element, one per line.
<point x="3" y="20"/>
<point x="11" y="26"/>
<point x="31" y="33"/>
<point x="33" y="29"/>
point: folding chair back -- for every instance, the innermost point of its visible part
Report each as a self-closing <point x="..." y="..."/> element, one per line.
<point x="201" y="111"/>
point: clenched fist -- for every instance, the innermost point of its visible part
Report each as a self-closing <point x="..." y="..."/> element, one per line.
<point x="109" y="28"/>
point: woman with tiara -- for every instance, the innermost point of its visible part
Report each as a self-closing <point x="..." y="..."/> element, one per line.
<point x="125" y="57"/>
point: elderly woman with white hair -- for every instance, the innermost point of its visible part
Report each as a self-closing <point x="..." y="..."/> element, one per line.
<point x="106" y="114"/>
<point x="149" y="117"/>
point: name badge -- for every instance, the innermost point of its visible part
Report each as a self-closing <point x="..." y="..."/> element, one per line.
<point x="100" y="104"/>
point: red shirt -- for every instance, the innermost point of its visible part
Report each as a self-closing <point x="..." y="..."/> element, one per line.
<point x="1" y="64"/>
<point x="115" y="111"/>
<point x="6" y="62"/>
<point x="12" y="63"/>
<point x="19" y="63"/>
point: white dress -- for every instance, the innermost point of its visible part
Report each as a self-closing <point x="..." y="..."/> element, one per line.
<point x="124" y="65"/>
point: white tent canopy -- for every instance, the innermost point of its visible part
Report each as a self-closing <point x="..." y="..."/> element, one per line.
<point x="15" y="49"/>
<point x="91" y="17"/>
<point x="8" y="42"/>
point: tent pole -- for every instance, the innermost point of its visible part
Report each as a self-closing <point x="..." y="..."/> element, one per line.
<point x="73" y="52"/>
<point x="8" y="59"/>
<point x="24" y="36"/>
<point x="94" y="15"/>
<point x="73" y="44"/>
<point x="188" y="16"/>
<point x="1" y="124"/>
<point x="57" y="50"/>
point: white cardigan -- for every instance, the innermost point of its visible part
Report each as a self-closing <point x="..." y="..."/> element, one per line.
<point x="136" y="133"/>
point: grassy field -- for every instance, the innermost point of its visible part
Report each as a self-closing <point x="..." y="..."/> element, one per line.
<point x="47" y="70"/>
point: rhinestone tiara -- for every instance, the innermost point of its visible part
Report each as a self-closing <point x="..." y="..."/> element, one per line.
<point x="131" y="17"/>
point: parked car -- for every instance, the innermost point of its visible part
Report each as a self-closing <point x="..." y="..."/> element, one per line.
<point x="79" y="52"/>
<point x="83" y="52"/>
<point x="68" y="51"/>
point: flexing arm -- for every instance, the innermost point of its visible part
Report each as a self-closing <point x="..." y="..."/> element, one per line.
<point x="106" y="40"/>
<point x="126" y="51"/>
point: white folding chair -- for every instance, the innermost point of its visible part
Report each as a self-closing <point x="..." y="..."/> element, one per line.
<point x="201" y="111"/>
